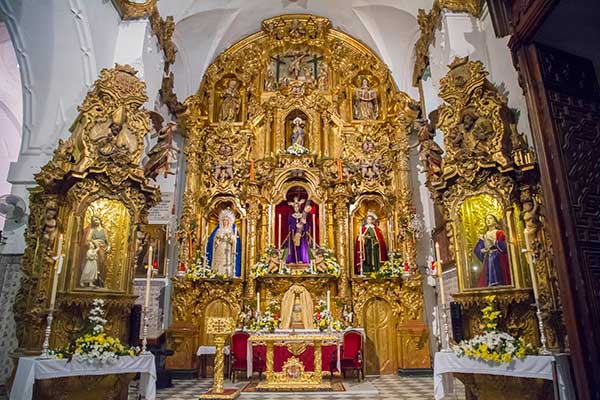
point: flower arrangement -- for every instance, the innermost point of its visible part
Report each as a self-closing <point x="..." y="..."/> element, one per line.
<point x="323" y="319"/>
<point x="95" y="345"/>
<point x="295" y="150"/>
<point x="493" y="345"/>
<point x="326" y="262"/>
<point x="267" y="321"/>
<point x="393" y="267"/>
<point x="270" y="259"/>
<point x="199" y="269"/>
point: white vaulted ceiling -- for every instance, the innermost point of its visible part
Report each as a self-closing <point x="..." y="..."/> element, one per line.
<point x="204" y="28"/>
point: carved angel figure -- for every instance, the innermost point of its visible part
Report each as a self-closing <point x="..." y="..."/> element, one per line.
<point x="163" y="155"/>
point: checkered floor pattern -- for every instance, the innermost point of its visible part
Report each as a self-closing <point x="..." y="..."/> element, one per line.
<point x="390" y="387"/>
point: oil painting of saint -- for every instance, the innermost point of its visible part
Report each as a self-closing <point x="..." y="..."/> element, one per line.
<point x="95" y="247"/>
<point x="492" y="251"/>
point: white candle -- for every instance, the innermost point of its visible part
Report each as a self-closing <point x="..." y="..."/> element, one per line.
<point x="56" y="272"/>
<point x="279" y="233"/>
<point x="258" y="302"/>
<point x="439" y="271"/>
<point x="329" y="301"/>
<point x="314" y="221"/>
<point x="148" y="277"/>
<point x="531" y="263"/>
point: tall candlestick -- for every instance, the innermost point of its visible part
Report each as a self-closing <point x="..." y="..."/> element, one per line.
<point x="57" y="268"/>
<point x="57" y="264"/>
<point x="279" y="232"/>
<point x="314" y="222"/>
<point x="148" y="277"/>
<point x="439" y="272"/>
<point x="329" y="301"/>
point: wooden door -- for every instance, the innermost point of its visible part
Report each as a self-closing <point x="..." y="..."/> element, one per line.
<point x="380" y="354"/>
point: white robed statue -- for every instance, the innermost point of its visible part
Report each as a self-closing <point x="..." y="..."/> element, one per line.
<point x="223" y="247"/>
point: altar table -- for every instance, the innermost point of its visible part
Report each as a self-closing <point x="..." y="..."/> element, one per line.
<point x="31" y="369"/>
<point x="203" y="352"/>
<point x="540" y="367"/>
<point x="295" y="372"/>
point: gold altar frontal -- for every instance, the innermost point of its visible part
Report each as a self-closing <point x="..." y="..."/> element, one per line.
<point x="293" y="377"/>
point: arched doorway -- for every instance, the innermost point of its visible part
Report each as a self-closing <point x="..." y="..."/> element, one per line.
<point x="380" y="351"/>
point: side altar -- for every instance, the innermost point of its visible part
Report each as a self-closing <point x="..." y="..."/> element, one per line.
<point x="297" y="190"/>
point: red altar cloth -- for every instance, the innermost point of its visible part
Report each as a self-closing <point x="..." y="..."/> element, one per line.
<point x="307" y="357"/>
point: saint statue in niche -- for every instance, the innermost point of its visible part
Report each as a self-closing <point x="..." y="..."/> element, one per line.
<point x="299" y="228"/>
<point x="231" y="102"/>
<point x="224" y="246"/>
<point x="492" y="251"/>
<point x="370" y="248"/>
<point x="297" y="132"/>
<point x="365" y="102"/>
<point x="94" y="253"/>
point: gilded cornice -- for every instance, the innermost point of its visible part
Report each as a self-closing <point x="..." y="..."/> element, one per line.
<point x="132" y="10"/>
<point x="429" y="23"/>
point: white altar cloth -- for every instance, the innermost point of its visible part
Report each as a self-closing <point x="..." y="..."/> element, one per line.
<point x="529" y="367"/>
<point x="340" y="335"/>
<point x="209" y="350"/>
<point x="32" y="368"/>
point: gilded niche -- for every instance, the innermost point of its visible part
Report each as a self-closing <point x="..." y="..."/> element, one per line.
<point x="301" y="131"/>
<point x="95" y="195"/>
<point x="486" y="184"/>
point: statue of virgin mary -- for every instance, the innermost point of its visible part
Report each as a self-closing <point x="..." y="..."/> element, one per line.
<point x="224" y="247"/>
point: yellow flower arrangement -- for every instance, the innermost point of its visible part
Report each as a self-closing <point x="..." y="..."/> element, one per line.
<point x="493" y="345"/>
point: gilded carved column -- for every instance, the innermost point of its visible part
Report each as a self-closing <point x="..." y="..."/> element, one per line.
<point x="253" y="215"/>
<point x="268" y="134"/>
<point x="326" y="135"/>
<point x="341" y="217"/>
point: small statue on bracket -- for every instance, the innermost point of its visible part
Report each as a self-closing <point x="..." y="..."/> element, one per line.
<point x="163" y="155"/>
<point x="231" y="102"/>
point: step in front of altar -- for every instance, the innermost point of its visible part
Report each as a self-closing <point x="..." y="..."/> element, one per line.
<point x="350" y="387"/>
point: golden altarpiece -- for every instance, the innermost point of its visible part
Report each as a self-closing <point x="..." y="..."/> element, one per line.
<point x="486" y="184"/>
<point x="302" y="118"/>
<point x="94" y="195"/>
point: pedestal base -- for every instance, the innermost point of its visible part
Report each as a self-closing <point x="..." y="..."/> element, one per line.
<point x="292" y="387"/>
<point x="498" y="387"/>
<point x="96" y="387"/>
<point x="227" y="394"/>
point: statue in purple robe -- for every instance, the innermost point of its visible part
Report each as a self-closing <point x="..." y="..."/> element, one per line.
<point x="299" y="228"/>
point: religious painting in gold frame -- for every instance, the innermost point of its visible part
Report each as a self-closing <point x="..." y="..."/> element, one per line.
<point x="487" y="243"/>
<point x="101" y="254"/>
<point x="156" y="236"/>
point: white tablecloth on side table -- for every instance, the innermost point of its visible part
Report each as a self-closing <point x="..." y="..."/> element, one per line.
<point x="209" y="350"/>
<point x="31" y="369"/>
<point x="529" y="367"/>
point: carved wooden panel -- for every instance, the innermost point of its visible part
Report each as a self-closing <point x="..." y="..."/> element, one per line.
<point x="564" y="101"/>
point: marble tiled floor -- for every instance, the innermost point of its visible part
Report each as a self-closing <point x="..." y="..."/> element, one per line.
<point x="387" y="387"/>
